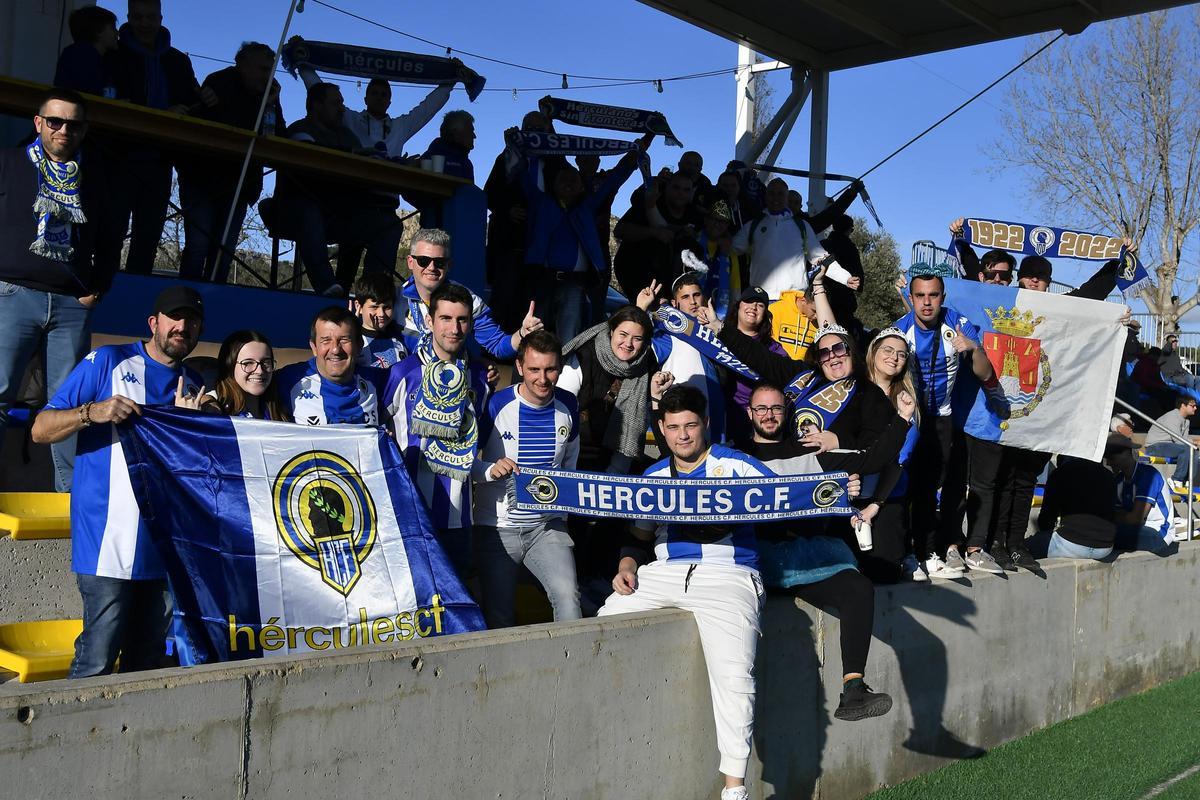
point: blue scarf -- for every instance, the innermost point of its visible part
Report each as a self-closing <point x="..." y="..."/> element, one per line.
<point x="1043" y="240"/>
<point x="613" y="118"/>
<point x="817" y="401"/>
<point x="535" y="143"/>
<point x="443" y="414"/>
<point x="687" y="329"/>
<point x="56" y="207"/>
<point x="696" y="501"/>
<point x="369" y="62"/>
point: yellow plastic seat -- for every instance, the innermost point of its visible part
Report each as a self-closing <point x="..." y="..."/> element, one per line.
<point x="36" y="515"/>
<point x="39" y="651"/>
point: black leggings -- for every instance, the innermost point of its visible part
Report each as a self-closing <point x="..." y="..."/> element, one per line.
<point x="853" y="596"/>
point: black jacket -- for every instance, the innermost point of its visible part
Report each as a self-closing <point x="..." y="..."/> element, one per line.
<point x="89" y="272"/>
<point x="131" y="72"/>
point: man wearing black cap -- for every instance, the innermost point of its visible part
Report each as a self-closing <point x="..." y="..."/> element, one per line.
<point x="126" y="611"/>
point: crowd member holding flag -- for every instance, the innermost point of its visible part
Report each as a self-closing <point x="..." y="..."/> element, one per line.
<point x="382" y="338"/>
<point x="809" y="559"/>
<point x="429" y="262"/>
<point x="942" y="342"/>
<point x="564" y="256"/>
<point x="532" y="423"/>
<point x="126" y="606"/>
<point x="710" y="570"/>
<point x="436" y="399"/>
<point x="246" y="379"/>
<point x="329" y="388"/>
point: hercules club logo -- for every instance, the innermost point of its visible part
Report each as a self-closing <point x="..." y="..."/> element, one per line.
<point x="1042" y="239"/>
<point x="1128" y="268"/>
<point x="543" y="489"/>
<point x="826" y="494"/>
<point x="325" y="516"/>
<point x="1022" y="366"/>
<point x="672" y="319"/>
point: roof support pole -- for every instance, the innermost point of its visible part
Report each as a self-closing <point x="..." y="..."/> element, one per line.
<point x="818" y="138"/>
<point x="743" y="130"/>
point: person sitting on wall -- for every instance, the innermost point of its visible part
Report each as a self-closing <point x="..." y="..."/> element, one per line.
<point x="1145" y="511"/>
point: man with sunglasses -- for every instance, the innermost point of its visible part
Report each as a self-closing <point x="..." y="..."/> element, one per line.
<point x="943" y="342"/>
<point x="51" y="271"/>
<point x="429" y="262"/>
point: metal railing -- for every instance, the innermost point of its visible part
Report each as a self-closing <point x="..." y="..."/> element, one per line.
<point x="1191" y="456"/>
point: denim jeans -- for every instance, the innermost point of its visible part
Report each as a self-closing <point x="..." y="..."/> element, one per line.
<point x="375" y="228"/>
<point x="563" y="304"/>
<point x="54" y="326"/>
<point x="204" y="216"/>
<point x="1061" y="548"/>
<point x="545" y="549"/>
<point x="1139" y="537"/>
<point x="142" y="192"/>
<point x="1179" y="452"/>
<point x="122" y="618"/>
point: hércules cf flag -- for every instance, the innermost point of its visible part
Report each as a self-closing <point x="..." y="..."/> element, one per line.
<point x="1055" y="359"/>
<point x="281" y="538"/>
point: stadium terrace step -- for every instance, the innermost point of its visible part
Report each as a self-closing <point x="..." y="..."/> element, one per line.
<point x="1145" y="459"/>
<point x="39" y="651"/>
<point x="35" y="515"/>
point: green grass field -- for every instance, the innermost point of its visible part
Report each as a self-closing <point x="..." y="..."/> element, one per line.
<point x="1125" y="750"/>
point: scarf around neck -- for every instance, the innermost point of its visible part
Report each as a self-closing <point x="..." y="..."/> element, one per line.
<point x="56" y="206"/>
<point x="627" y="426"/>
<point x="443" y="414"/>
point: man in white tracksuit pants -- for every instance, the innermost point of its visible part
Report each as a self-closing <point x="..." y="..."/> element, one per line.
<point x="709" y="570"/>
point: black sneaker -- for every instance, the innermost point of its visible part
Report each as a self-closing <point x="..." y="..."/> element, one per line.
<point x="1003" y="558"/>
<point x="859" y="702"/>
<point x="1021" y="558"/>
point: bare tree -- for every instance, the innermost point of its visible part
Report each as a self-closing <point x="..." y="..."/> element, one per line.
<point x="1107" y="126"/>
<point x="764" y="101"/>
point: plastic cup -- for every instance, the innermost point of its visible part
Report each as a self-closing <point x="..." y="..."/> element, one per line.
<point x="427" y="164"/>
<point x="863" y="532"/>
<point x="439" y="163"/>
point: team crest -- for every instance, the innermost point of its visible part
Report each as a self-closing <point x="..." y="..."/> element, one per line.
<point x="1042" y="239"/>
<point x="1022" y="366"/>
<point x="325" y="516"/>
<point x="826" y="494"/>
<point x="543" y="489"/>
<point x="1128" y="267"/>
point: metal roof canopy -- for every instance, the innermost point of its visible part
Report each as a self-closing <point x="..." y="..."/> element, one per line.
<point x="839" y="34"/>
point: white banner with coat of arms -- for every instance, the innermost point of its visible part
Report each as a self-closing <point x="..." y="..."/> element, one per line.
<point x="1056" y="361"/>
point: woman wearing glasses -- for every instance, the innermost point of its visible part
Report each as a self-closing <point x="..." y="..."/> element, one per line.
<point x="750" y="315"/>
<point x="245" y="379"/>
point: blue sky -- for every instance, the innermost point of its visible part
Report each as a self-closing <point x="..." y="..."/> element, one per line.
<point x="872" y="109"/>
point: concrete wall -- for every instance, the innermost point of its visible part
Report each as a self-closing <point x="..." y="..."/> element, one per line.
<point x="618" y="707"/>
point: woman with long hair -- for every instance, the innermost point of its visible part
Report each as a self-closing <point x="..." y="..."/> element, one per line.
<point x="750" y="315"/>
<point x="246" y="378"/>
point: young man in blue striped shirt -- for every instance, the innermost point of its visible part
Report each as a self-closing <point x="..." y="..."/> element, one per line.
<point x="530" y="424"/>
<point x="709" y="570"/>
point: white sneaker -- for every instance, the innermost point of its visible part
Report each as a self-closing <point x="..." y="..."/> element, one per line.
<point x="954" y="562"/>
<point x="913" y="570"/>
<point x="937" y="569"/>
<point x="735" y="793"/>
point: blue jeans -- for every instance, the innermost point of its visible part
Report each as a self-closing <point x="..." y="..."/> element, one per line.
<point x="54" y="326"/>
<point x="122" y="618"/>
<point x="545" y="549"/>
<point x="1177" y="451"/>
<point x="562" y="304"/>
<point x="1136" y="537"/>
<point x="1061" y="548"/>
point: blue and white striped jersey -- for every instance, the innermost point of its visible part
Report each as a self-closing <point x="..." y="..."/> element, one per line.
<point x="690" y="368"/>
<point x="411" y="311"/>
<point x="938" y="363"/>
<point x="447" y="499"/>
<point x="532" y="436"/>
<point x="108" y="537"/>
<point x="314" y="400"/>
<point x="1149" y="486"/>
<point x="383" y="351"/>
<point x="737" y="548"/>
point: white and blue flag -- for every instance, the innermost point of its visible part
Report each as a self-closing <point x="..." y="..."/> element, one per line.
<point x="279" y="538"/>
<point x="1056" y="360"/>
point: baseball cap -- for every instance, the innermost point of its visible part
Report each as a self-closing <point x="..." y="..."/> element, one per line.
<point x="176" y="298"/>
<point x="1117" y="442"/>
<point x="1035" y="267"/>
<point x="755" y="294"/>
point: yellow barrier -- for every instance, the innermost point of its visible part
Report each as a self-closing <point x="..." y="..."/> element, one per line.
<point x="35" y="515"/>
<point x="39" y="651"/>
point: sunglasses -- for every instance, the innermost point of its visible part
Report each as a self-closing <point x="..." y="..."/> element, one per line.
<point x="998" y="276"/>
<point x="58" y="123"/>
<point x="439" y="262"/>
<point x="838" y="350"/>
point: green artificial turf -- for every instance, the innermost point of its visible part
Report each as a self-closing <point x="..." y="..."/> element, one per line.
<point x="1120" y="751"/>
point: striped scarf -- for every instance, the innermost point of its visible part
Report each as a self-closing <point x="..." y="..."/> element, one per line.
<point x="443" y="415"/>
<point x="57" y="205"/>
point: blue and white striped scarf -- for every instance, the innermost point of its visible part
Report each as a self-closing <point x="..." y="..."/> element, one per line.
<point x="443" y="415"/>
<point x="57" y="205"/>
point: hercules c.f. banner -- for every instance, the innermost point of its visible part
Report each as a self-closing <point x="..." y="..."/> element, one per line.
<point x="613" y="118"/>
<point x="683" y="501"/>
<point x="281" y="538"/>
<point x="369" y="62"/>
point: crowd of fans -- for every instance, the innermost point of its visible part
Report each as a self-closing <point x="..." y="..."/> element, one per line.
<point x="592" y="390"/>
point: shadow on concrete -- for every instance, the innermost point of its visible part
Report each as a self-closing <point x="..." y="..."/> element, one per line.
<point x="924" y="666"/>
